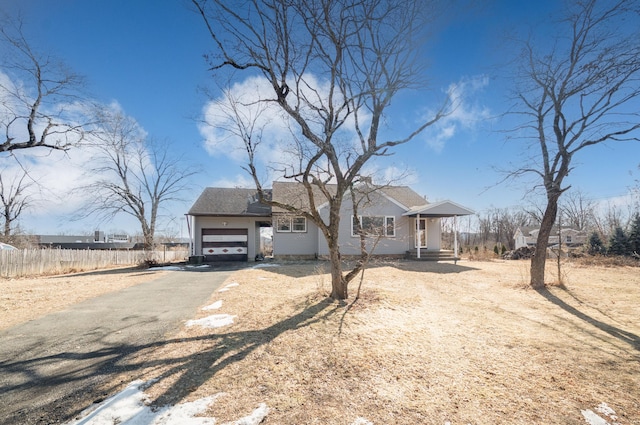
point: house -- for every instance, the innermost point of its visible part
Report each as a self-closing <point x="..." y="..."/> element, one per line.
<point x="528" y="236"/>
<point x="225" y="224"/>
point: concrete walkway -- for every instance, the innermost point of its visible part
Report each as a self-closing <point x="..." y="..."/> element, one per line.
<point x="51" y="368"/>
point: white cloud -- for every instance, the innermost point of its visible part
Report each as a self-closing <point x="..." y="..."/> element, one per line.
<point x="55" y="174"/>
<point x="281" y="144"/>
<point x="400" y="176"/>
<point x="240" y="181"/>
<point x="466" y="112"/>
<point x="243" y="102"/>
<point x="390" y="174"/>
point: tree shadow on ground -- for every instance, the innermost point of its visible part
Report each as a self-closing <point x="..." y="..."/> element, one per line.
<point x="303" y="268"/>
<point x="199" y="368"/>
<point x="627" y="337"/>
<point x="144" y="270"/>
<point x="104" y="272"/>
<point x="433" y="267"/>
<point x="97" y="367"/>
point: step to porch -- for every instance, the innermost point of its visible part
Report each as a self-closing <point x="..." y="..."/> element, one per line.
<point x="426" y="255"/>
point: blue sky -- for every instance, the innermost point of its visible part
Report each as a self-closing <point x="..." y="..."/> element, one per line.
<point x="147" y="57"/>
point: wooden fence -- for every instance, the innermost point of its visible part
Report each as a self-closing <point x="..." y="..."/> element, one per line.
<point x="34" y="262"/>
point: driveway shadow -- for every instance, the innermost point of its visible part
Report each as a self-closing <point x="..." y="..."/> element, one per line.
<point x="94" y="367"/>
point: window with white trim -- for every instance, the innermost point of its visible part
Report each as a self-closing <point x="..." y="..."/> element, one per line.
<point x="291" y="224"/>
<point x="374" y="226"/>
<point x="390" y="226"/>
<point x="299" y="224"/>
<point x="283" y="224"/>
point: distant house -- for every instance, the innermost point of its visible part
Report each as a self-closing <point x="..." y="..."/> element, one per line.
<point x="225" y="223"/>
<point x="527" y="236"/>
<point x="97" y="240"/>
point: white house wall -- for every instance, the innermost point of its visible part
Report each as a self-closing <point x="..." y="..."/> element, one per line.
<point x="304" y="244"/>
<point x="380" y="206"/>
<point x="249" y="223"/>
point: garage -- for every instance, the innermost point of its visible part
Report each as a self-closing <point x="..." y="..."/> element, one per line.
<point x="225" y="244"/>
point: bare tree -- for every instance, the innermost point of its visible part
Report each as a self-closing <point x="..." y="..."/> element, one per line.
<point x="577" y="210"/>
<point x="578" y="91"/>
<point x="499" y="225"/>
<point x="132" y="175"/>
<point x="333" y="68"/>
<point x="38" y="97"/>
<point x="14" y="199"/>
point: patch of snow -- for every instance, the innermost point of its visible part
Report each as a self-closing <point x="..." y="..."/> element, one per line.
<point x="215" y="321"/>
<point x="229" y="286"/>
<point x="265" y="265"/>
<point x="254" y="418"/>
<point x="607" y="411"/>
<point x="129" y="407"/>
<point x="216" y="305"/>
<point x="173" y="268"/>
<point x="593" y="419"/>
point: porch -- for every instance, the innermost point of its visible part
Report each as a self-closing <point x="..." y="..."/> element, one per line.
<point x="432" y="255"/>
<point x="427" y="230"/>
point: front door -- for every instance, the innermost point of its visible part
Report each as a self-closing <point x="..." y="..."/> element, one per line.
<point x="421" y="233"/>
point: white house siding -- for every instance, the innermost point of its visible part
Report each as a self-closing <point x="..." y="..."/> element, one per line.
<point x="379" y="206"/>
<point x="249" y="223"/>
<point x="295" y="244"/>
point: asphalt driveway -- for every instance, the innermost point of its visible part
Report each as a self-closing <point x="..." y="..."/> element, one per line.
<point x="52" y="368"/>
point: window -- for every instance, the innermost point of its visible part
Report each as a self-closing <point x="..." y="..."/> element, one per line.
<point x="390" y="226"/>
<point x="291" y="224"/>
<point x="375" y="225"/>
<point x="299" y="224"/>
<point x="283" y="224"/>
<point x="568" y="238"/>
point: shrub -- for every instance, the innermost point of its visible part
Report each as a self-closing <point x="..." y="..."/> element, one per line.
<point x="595" y="246"/>
<point x="618" y="243"/>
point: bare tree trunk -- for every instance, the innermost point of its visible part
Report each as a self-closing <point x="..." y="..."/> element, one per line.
<point x="538" y="261"/>
<point x="559" y="263"/>
<point x="338" y="283"/>
<point x="7" y="225"/>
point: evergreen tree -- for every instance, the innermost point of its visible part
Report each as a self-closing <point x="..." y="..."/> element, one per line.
<point x="634" y="235"/>
<point x="619" y="243"/>
<point x="595" y="244"/>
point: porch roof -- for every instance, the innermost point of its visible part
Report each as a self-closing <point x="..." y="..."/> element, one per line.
<point x="439" y="209"/>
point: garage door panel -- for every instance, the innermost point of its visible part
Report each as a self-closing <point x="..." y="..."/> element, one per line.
<point x="225" y="238"/>
<point x="225" y="250"/>
<point x="225" y="244"/>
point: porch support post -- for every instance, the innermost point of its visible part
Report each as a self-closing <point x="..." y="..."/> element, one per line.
<point x="455" y="239"/>
<point x="419" y="239"/>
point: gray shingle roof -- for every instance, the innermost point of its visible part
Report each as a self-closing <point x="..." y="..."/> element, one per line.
<point x="216" y="201"/>
<point x="293" y="193"/>
<point x="230" y="202"/>
<point x="404" y="195"/>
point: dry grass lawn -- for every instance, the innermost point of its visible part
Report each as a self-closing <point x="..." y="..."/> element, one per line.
<point x="427" y="343"/>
